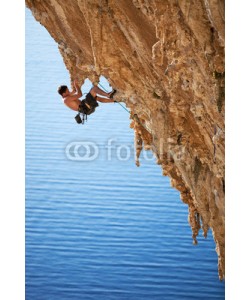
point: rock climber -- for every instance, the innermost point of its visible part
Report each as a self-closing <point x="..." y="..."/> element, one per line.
<point x="71" y="99"/>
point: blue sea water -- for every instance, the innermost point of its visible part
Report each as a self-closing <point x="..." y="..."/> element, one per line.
<point x="100" y="228"/>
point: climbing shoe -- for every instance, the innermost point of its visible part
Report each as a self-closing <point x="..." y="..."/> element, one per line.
<point x="112" y="94"/>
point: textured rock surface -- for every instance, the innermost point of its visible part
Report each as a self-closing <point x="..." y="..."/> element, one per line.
<point x="166" y="58"/>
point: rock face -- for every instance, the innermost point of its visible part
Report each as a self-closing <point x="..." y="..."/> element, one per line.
<point x="166" y="59"/>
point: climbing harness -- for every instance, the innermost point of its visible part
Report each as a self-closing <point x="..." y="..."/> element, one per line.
<point x="87" y="107"/>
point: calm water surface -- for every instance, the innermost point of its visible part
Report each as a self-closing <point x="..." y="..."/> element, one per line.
<point x="100" y="229"/>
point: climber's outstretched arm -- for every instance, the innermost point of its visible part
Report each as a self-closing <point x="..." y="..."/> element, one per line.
<point x="73" y="92"/>
<point x="73" y="97"/>
<point x="77" y="88"/>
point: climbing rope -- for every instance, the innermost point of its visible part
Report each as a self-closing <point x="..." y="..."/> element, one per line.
<point x="123" y="107"/>
<point x="115" y="101"/>
<point x="134" y="117"/>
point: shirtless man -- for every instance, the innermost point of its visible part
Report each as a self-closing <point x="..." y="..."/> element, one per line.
<point x="71" y="99"/>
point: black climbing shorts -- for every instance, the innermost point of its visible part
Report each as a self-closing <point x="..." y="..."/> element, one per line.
<point x="88" y="105"/>
<point x="90" y="100"/>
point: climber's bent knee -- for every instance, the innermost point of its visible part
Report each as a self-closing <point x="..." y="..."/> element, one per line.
<point x="93" y="91"/>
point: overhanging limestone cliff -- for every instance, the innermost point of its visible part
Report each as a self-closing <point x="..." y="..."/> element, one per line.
<point x="166" y="58"/>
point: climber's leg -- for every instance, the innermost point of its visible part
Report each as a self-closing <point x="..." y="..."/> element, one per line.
<point x="96" y="90"/>
<point x="104" y="99"/>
